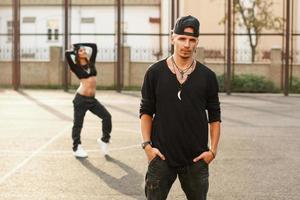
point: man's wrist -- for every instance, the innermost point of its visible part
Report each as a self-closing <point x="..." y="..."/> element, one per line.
<point x="146" y="143"/>
<point x="213" y="153"/>
<point x="148" y="149"/>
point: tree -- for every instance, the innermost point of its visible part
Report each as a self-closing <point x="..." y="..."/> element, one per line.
<point x="256" y="16"/>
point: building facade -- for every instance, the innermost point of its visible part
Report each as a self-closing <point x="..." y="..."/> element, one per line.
<point x="211" y="13"/>
<point x="42" y="23"/>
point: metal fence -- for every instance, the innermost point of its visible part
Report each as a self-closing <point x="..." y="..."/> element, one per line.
<point x="224" y="44"/>
<point x="104" y="54"/>
<point x="147" y="54"/>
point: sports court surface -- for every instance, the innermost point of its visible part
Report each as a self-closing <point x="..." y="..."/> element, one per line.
<point x="258" y="157"/>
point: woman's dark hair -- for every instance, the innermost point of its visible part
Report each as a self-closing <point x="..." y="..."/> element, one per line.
<point x="76" y="50"/>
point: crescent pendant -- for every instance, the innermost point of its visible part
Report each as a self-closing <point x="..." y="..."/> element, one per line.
<point x="178" y="95"/>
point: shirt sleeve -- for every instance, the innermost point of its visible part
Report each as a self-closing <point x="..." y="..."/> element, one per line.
<point x="213" y="103"/>
<point x="80" y="73"/>
<point x="69" y="58"/>
<point x="147" y="105"/>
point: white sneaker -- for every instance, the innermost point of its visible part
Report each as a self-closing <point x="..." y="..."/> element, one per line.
<point x="103" y="146"/>
<point x="80" y="152"/>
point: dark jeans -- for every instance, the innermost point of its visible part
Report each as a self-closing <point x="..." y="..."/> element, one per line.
<point x="81" y="105"/>
<point x="160" y="177"/>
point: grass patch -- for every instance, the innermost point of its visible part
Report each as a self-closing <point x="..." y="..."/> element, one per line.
<point x="248" y="83"/>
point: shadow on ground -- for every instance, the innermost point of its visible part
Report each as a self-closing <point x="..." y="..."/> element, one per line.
<point x="130" y="184"/>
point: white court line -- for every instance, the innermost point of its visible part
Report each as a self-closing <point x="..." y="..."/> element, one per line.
<point x="120" y="148"/>
<point x="10" y="173"/>
<point x="70" y="151"/>
<point x="114" y="129"/>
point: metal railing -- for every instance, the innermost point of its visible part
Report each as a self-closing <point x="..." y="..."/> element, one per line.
<point x="27" y="53"/>
<point x="146" y="54"/>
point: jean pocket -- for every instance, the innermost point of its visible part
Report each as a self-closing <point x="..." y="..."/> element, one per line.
<point x="153" y="160"/>
<point x="202" y="163"/>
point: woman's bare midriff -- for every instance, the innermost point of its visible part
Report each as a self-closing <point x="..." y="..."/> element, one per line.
<point x="87" y="86"/>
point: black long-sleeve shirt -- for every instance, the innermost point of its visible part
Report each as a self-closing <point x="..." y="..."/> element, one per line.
<point x="180" y="127"/>
<point x="78" y="70"/>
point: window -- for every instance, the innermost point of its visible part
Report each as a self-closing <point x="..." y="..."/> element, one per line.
<point x="9" y="31"/>
<point x="87" y="20"/>
<point x="52" y="30"/>
<point x="29" y="19"/>
<point x="49" y="34"/>
<point x="56" y="34"/>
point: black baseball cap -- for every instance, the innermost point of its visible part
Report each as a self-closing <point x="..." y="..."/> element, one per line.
<point x="185" y="22"/>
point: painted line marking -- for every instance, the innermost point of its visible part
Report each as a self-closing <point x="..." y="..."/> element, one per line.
<point x="34" y="153"/>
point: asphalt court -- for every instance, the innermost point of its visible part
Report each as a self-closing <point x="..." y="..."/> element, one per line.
<point x="258" y="157"/>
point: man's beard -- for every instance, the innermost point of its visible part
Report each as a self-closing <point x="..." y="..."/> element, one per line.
<point x="185" y="57"/>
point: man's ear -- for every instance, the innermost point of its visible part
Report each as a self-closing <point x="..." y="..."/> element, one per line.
<point x="172" y="39"/>
<point x="197" y="42"/>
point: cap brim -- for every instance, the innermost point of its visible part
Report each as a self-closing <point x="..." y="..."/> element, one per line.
<point x="190" y="34"/>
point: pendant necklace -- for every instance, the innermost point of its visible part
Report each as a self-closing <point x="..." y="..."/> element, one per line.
<point x="182" y="72"/>
<point x="86" y="68"/>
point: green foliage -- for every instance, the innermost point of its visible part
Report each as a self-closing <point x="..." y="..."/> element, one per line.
<point x="221" y="82"/>
<point x="248" y="83"/>
<point x="295" y="86"/>
<point x="255" y="16"/>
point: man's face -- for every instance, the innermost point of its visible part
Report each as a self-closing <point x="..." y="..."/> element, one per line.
<point x="184" y="45"/>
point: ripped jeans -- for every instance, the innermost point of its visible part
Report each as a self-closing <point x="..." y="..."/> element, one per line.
<point x="160" y="177"/>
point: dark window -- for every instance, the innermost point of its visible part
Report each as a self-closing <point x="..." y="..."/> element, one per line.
<point x="49" y="34"/>
<point x="56" y="34"/>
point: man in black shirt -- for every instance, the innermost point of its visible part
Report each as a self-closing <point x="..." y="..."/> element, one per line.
<point x="179" y="100"/>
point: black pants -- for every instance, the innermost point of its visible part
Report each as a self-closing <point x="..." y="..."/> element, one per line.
<point x="160" y="177"/>
<point x="83" y="104"/>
